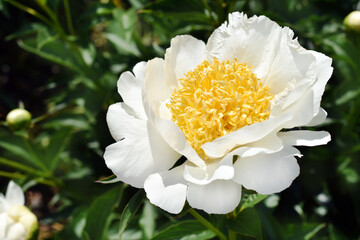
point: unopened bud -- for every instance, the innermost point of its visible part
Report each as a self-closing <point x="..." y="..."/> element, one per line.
<point x="18" y="119"/>
<point x="352" y="21"/>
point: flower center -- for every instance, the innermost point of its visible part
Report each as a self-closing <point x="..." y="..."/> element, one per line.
<point x="218" y="98"/>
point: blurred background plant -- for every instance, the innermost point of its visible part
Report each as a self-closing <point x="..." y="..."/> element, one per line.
<point x="60" y="61"/>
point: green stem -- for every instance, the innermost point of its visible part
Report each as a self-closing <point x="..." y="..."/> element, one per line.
<point x="11" y="175"/>
<point x="19" y="166"/>
<point x="50" y="13"/>
<point x="68" y="17"/>
<point x="207" y="224"/>
<point x="232" y="235"/>
<point x="30" y="11"/>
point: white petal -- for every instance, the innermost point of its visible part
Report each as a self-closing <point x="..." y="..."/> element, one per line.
<point x="129" y="88"/>
<point x="302" y="111"/>
<point x="217" y="197"/>
<point x="184" y="54"/>
<point x="276" y="57"/>
<point x="140" y="154"/>
<point x="120" y="122"/>
<point x="3" y="204"/>
<point x="3" y="221"/>
<point x="156" y="91"/>
<point x="318" y="119"/>
<point x="269" y="144"/>
<point x="214" y="170"/>
<point x="221" y="146"/>
<point x="14" y="194"/>
<point x="167" y="190"/>
<point x="325" y="70"/>
<point x="268" y="173"/>
<point x="16" y="232"/>
<point x="305" y="138"/>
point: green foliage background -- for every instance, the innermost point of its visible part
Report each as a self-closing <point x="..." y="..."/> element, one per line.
<point x="61" y="59"/>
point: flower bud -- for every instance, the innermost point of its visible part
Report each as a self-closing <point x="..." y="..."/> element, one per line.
<point x="352" y="21"/>
<point x="18" y="119"/>
<point x="17" y="222"/>
<point x="24" y="223"/>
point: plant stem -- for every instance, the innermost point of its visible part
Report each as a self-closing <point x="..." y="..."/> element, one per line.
<point x="207" y="224"/>
<point x="19" y="166"/>
<point x="68" y="17"/>
<point x="30" y="11"/>
<point x="232" y="235"/>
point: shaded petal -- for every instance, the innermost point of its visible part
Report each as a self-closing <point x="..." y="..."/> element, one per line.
<point x="120" y="122"/>
<point x="268" y="173"/>
<point x="14" y="194"/>
<point x="183" y="55"/>
<point x="130" y="87"/>
<point x="167" y="190"/>
<point x="217" y="197"/>
<point x="305" y="138"/>
<point x="252" y="133"/>
<point x="140" y="154"/>
<point x="154" y="92"/>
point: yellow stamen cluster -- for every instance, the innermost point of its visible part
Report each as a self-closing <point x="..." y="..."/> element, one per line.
<point x="218" y="98"/>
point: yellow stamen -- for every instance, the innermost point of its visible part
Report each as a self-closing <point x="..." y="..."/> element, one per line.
<point x="218" y="98"/>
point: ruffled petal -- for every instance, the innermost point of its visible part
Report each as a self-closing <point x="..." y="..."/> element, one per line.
<point x="219" y="197"/>
<point x="140" y="154"/>
<point x="129" y="88"/>
<point x="305" y="138"/>
<point x="167" y="190"/>
<point x="276" y="57"/>
<point x="252" y="133"/>
<point x="268" y="173"/>
<point x="184" y="54"/>
<point x="14" y="194"/>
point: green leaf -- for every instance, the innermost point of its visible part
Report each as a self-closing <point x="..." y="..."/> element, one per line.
<point x="3" y="8"/>
<point x="130" y="210"/>
<point x="123" y="46"/>
<point x="50" y="57"/>
<point x="147" y="220"/>
<point x="56" y="147"/>
<point x="107" y="180"/>
<point x="100" y="212"/>
<point x="190" y="229"/>
<point x="304" y="231"/>
<point x="252" y="200"/>
<point x="247" y="223"/>
<point x="21" y="147"/>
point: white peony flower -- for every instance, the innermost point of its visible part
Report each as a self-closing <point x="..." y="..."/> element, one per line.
<point x="228" y="106"/>
<point x="17" y="222"/>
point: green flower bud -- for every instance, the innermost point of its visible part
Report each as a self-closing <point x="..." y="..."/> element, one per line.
<point x="352" y="21"/>
<point x="18" y="119"/>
